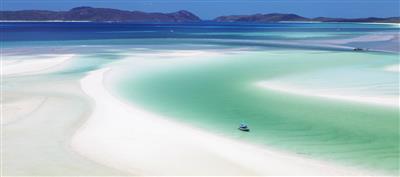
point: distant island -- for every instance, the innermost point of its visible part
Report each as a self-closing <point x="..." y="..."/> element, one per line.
<point x="97" y="15"/>
<point x="277" y="17"/>
<point x="114" y="15"/>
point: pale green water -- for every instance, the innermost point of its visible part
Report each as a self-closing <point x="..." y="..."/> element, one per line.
<point x="218" y="95"/>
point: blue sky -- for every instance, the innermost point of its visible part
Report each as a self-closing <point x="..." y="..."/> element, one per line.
<point x="208" y="9"/>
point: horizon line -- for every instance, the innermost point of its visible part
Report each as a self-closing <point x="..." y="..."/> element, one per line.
<point x="205" y="19"/>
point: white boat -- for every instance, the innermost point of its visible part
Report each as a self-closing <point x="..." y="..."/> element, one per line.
<point x="243" y="127"/>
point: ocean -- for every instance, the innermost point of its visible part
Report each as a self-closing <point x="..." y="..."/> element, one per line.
<point x="304" y="66"/>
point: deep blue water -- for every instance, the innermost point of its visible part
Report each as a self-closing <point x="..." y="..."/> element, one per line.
<point x="270" y="35"/>
<point x="46" y="31"/>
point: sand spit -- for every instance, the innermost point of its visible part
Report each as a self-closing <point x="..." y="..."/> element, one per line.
<point x="126" y="137"/>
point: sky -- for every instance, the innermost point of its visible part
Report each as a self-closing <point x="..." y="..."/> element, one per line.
<point x="209" y="9"/>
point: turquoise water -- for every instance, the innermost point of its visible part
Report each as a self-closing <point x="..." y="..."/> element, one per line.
<point x="219" y="94"/>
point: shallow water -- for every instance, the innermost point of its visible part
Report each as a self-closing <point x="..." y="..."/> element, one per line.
<point x="219" y="92"/>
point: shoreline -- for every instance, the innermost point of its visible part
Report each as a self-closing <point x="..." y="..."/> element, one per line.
<point x="124" y="136"/>
<point x="39" y="116"/>
<point x="393" y="68"/>
<point x="376" y="100"/>
<point x="39" y="64"/>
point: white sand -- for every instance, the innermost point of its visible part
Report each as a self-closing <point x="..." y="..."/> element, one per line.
<point x="17" y="105"/>
<point x="392" y="101"/>
<point x="128" y="138"/>
<point x="38" y="117"/>
<point x="33" y="64"/>
<point x="393" y="68"/>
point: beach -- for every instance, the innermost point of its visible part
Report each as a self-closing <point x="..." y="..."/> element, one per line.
<point x="39" y="115"/>
<point x="33" y="64"/>
<point x="150" y="107"/>
<point x="331" y="94"/>
<point x="126" y="137"/>
<point x="129" y="138"/>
